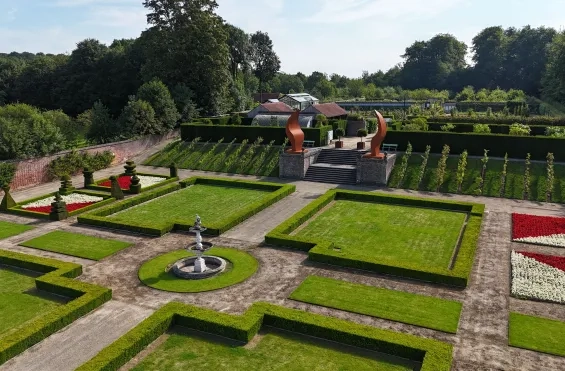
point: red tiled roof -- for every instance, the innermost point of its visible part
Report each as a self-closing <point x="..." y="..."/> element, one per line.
<point x="276" y="107"/>
<point x="327" y="109"/>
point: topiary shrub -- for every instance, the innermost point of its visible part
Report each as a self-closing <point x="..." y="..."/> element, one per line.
<point x="416" y="124"/>
<point x="520" y="130"/>
<point x="73" y="162"/>
<point x="321" y="120"/>
<point x="362" y="133"/>
<point x="7" y="173"/>
<point x="555" y="131"/>
<point x="235" y="120"/>
<point x="339" y="132"/>
<point x="447" y="127"/>
<point x="481" y="128"/>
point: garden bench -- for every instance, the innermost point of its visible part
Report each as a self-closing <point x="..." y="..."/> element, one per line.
<point x="390" y="147"/>
<point x="309" y="143"/>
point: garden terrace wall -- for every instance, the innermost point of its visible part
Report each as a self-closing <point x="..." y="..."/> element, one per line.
<point x="434" y="355"/>
<point x="230" y="132"/>
<point x="34" y="171"/>
<point x="321" y="251"/>
<point x="98" y="217"/>
<point x="56" y="280"/>
<point x="475" y="144"/>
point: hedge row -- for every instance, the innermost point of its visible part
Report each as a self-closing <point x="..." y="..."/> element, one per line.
<point x="536" y="130"/>
<point x="230" y="132"/>
<point x="17" y="210"/>
<point x="433" y="354"/>
<point x="98" y="217"/>
<point x="166" y="180"/>
<point x="535" y="120"/>
<point x="57" y="280"/>
<point x="475" y="144"/>
<point x="322" y="251"/>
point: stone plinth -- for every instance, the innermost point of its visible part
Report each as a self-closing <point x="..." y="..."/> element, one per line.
<point x="295" y="166"/>
<point x="375" y="171"/>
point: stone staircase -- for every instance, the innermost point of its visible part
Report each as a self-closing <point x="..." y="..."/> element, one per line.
<point x="338" y="166"/>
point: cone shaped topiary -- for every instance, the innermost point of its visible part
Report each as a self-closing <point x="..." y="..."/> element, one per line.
<point x="58" y="208"/>
<point x="7" y="200"/>
<point x="115" y="189"/>
<point x="135" y="186"/>
<point x="174" y="171"/>
<point x="66" y="185"/>
<point x="130" y="168"/>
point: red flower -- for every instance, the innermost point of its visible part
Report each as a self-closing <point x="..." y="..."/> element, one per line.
<point x="124" y="181"/>
<point x="71" y="207"/>
<point x="554" y="261"/>
<point x="536" y="226"/>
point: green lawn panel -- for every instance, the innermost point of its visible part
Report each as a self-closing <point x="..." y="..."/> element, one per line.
<point x="380" y="231"/>
<point x="17" y="306"/>
<point x="536" y="333"/>
<point x="413" y="309"/>
<point x="11" y="229"/>
<point x="274" y="351"/>
<point x="75" y="244"/>
<point x="212" y="203"/>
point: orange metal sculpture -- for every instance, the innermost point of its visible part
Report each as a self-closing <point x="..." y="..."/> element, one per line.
<point x="378" y="138"/>
<point x="295" y="134"/>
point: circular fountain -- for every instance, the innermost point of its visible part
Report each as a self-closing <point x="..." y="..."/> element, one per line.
<point x="199" y="266"/>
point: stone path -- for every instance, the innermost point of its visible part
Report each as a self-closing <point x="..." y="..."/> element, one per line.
<point x="480" y="344"/>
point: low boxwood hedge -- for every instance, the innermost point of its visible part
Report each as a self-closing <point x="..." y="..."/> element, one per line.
<point x="434" y="355"/>
<point x="57" y="280"/>
<point x="321" y="251"/>
<point x="166" y="180"/>
<point x="98" y="217"/>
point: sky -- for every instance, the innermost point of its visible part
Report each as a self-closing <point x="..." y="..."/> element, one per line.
<point x="330" y="36"/>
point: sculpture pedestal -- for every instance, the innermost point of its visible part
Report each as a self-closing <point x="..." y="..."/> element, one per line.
<point x="375" y="171"/>
<point x="295" y="166"/>
<point x="199" y="265"/>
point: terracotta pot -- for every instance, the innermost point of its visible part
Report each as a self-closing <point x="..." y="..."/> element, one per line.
<point x="339" y="144"/>
<point x="360" y="145"/>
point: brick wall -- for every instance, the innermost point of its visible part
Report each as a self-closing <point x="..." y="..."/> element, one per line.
<point x="34" y="171"/>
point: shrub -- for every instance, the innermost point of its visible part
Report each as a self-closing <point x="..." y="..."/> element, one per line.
<point x="138" y="118"/>
<point x="447" y="127"/>
<point x="481" y="128"/>
<point x="355" y="117"/>
<point x="416" y="124"/>
<point x="7" y="173"/>
<point x="321" y="120"/>
<point x="235" y="119"/>
<point x="423" y="166"/>
<point x="550" y="177"/>
<point x="489" y="111"/>
<point x="404" y="165"/>
<point x="339" y="132"/>
<point x="461" y="167"/>
<point x="361" y="133"/>
<point x="206" y="121"/>
<point x="527" y="179"/>
<point x="521" y="130"/>
<point x="454" y="112"/>
<point x="73" y="162"/>
<point x="442" y="164"/>
<point x="555" y="131"/>
<point x="102" y="128"/>
<point x="372" y="125"/>
<point x="159" y="97"/>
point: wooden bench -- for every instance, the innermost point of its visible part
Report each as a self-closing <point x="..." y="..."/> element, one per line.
<point x="309" y="143"/>
<point x="390" y="147"/>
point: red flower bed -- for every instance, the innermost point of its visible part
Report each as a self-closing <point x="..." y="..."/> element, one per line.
<point x="124" y="181"/>
<point x="554" y="261"/>
<point x="71" y="207"/>
<point x="536" y="226"/>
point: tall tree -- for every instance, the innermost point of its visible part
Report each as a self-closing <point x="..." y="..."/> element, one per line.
<point x="489" y="48"/>
<point x="159" y="97"/>
<point x="240" y="49"/>
<point x="554" y="77"/>
<point x="265" y="61"/>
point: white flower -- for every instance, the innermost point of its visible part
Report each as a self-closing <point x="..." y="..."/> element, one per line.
<point x="73" y="198"/>
<point x="532" y="279"/>
<point x="148" y="181"/>
<point x="557" y="240"/>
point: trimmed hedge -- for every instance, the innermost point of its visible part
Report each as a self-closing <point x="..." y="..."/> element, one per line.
<point x="475" y="144"/>
<point x="166" y="180"/>
<point x="17" y="210"/>
<point x="534" y="120"/>
<point x="57" y="280"/>
<point x="98" y="217"/>
<point x="214" y="133"/>
<point x="323" y="252"/>
<point x="434" y="355"/>
<point x="536" y="130"/>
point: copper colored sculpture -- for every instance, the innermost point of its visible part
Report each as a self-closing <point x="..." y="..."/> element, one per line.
<point x="295" y="134"/>
<point x="378" y="138"/>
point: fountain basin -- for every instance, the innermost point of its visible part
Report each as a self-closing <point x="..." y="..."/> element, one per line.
<point x="184" y="268"/>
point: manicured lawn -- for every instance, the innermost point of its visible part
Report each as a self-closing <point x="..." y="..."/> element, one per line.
<point x="11" y="229"/>
<point x="75" y="244"/>
<point x="153" y="274"/>
<point x="273" y="352"/>
<point x="17" y="306"/>
<point x="391" y="233"/>
<point x="535" y="333"/>
<point x="212" y="203"/>
<point x="419" y="310"/>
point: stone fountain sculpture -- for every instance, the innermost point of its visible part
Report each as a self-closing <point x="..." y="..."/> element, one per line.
<point x="199" y="266"/>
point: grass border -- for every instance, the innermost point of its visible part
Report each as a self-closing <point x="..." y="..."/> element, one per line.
<point x="98" y="217"/>
<point x="57" y="280"/>
<point x="322" y="250"/>
<point x="18" y="210"/>
<point x="167" y="180"/>
<point x="514" y="340"/>
<point x="434" y="355"/>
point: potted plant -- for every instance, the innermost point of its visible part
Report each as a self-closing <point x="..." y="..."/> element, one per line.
<point x="361" y="133"/>
<point x="339" y="132"/>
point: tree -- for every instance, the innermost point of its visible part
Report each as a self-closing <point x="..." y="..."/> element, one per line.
<point x="265" y="61"/>
<point x="102" y="127"/>
<point x="159" y="97"/>
<point x="554" y="76"/>
<point x="138" y="118"/>
<point x="240" y="49"/>
<point x="467" y="94"/>
<point x="489" y="48"/>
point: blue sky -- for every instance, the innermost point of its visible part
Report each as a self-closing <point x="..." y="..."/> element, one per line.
<point x="341" y="36"/>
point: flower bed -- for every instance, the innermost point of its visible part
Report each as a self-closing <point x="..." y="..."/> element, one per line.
<point x="541" y="230"/>
<point x="538" y="277"/>
<point x="74" y="201"/>
<point x="125" y="181"/>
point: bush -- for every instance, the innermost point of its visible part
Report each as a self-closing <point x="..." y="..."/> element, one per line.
<point x="7" y="173"/>
<point x="339" y="132"/>
<point x="517" y="129"/>
<point x="235" y="119"/>
<point x="361" y="133"/>
<point x="355" y="117"/>
<point x="481" y="128"/>
<point x="321" y="120"/>
<point x="416" y="124"/>
<point x="206" y="121"/>
<point x="447" y="127"/>
<point x="73" y="162"/>
<point x="138" y="118"/>
<point x="102" y="127"/>
<point x="555" y="131"/>
<point x="159" y="97"/>
<point x="372" y="125"/>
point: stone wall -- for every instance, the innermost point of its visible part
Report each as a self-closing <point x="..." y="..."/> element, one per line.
<point x="375" y="171"/>
<point x="292" y="166"/>
<point x="34" y="171"/>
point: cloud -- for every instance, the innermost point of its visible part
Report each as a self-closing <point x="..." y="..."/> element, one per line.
<point x="8" y="15"/>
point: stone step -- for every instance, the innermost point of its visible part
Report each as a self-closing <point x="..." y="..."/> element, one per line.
<point x="329" y="173"/>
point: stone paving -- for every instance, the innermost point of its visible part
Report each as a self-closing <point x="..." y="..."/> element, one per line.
<point x="481" y="342"/>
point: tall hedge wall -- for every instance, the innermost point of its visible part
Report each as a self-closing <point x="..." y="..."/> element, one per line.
<point x="534" y="120"/>
<point x="537" y="130"/>
<point x="475" y="144"/>
<point x="230" y="132"/>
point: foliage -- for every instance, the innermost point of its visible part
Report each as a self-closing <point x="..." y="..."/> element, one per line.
<point x="481" y="178"/>
<point x="503" y="176"/>
<point x="159" y="97"/>
<point x="138" y="118"/>
<point x="425" y="157"/>
<point x="339" y="132"/>
<point x="517" y="129"/>
<point x="321" y="120"/>
<point x="461" y="166"/>
<point x="555" y="131"/>
<point x="447" y="127"/>
<point x="235" y="119"/>
<point x="245" y="159"/>
<point x="404" y="165"/>
<point x="102" y="126"/>
<point x="264" y="60"/>
<point x="7" y="173"/>
<point x="550" y="176"/>
<point x="416" y="124"/>
<point x="527" y="179"/>
<point x="372" y="125"/>
<point x="73" y="162"/>
<point x="361" y="133"/>
<point x="481" y="128"/>
<point x="442" y="163"/>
